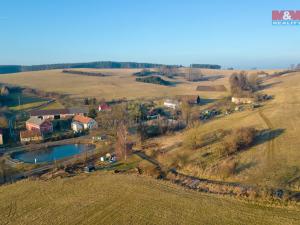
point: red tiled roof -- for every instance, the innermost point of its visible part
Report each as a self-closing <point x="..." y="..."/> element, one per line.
<point x="82" y="119"/>
<point x="37" y="121"/>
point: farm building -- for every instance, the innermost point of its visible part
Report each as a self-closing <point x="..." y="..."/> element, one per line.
<point x="77" y="126"/>
<point x="238" y="101"/>
<point x="30" y="136"/>
<point x="42" y="125"/>
<point x="88" y="123"/>
<point x="58" y="113"/>
<point x="1" y="137"/>
<point x="104" y="107"/>
<point x="173" y="104"/>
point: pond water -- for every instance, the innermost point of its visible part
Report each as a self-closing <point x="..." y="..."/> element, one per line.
<point x="51" y="154"/>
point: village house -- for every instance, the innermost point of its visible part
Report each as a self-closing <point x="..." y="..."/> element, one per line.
<point x="42" y="125"/>
<point x="30" y="136"/>
<point x="173" y="104"/>
<point x="104" y="107"/>
<point x="88" y="123"/>
<point x="239" y="101"/>
<point x="77" y="127"/>
<point x="58" y="113"/>
<point x="1" y="137"/>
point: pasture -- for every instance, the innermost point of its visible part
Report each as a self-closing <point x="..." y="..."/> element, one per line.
<point x="102" y="198"/>
<point x="119" y="84"/>
<point x="273" y="161"/>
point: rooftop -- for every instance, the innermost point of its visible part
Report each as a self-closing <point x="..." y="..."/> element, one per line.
<point x="82" y="119"/>
<point x="36" y="121"/>
<point x="58" y="111"/>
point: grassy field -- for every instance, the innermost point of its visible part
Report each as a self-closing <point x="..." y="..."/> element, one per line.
<point x="127" y="199"/>
<point x="272" y="161"/>
<point x="121" y="83"/>
<point x="54" y="105"/>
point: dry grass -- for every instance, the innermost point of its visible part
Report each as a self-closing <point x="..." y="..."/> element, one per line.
<point x="120" y="84"/>
<point x="275" y="160"/>
<point x="126" y="199"/>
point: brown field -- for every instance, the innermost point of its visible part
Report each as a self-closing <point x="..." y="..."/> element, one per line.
<point x="274" y="161"/>
<point x="211" y="88"/>
<point x="101" y="198"/>
<point x="121" y="84"/>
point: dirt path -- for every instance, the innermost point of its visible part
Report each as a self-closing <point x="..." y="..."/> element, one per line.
<point x="271" y="142"/>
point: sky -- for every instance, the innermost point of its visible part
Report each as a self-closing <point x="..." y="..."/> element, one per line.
<point x="231" y="33"/>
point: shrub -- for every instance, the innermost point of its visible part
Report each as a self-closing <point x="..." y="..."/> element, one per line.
<point x="237" y="140"/>
<point x="228" y="168"/>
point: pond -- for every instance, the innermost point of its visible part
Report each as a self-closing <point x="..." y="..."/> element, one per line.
<point x="51" y="154"/>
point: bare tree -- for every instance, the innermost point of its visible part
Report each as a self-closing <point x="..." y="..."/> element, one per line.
<point x="121" y="142"/>
<point x="194" y="74"/>
<point x="186" y="112"/>
<point x="241" y="85"/>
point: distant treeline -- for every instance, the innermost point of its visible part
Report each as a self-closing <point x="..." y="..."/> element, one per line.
<point x="85" y="73"/>
<point x="206" y="66"/>
<point x="101" y="64"/>
<point x="154" y="80"/>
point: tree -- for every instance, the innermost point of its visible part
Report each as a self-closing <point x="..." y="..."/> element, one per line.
<point x="4" y="91"/>
<point x="194" y="75"/>
<point x="86" y="101"/>
<point x="253" y="81"/>
<point x="94" y="101"/>
<point x="121" y="142"/>
<point x="168" y="71"/>
<point x="92" y="113"/>
<point x="3" y="170"/>
<point x="137" y="111"/>
<point x="240" y="85"/>
<point x="198" y="100"/>
<point x="3" y="122"/>
<point x="186" y="112"/>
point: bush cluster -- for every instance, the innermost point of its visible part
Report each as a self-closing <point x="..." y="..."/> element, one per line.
<point x="237" y="140"/>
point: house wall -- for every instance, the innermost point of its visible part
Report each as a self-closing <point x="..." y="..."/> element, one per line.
<point x="31" y="139"/>
<point x="30" y="126"/>
<point x="92" y="124"/>
<point x="170" y="105"/>
<point x="241" y="100"/>
<point x="46" y="127"/>
<point x="77" y="127"/>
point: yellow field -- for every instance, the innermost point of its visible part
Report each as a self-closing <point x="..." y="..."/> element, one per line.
<point x="274" y="162"/>
<point x="120" y="84"/>
<point x="127" y="199"/>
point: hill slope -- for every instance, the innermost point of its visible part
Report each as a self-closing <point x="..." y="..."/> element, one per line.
<point x="124" y="199"/>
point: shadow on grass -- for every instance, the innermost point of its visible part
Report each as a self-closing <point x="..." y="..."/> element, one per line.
<point x="267" y="86"/>
<point x="204" y="101"/>
<point x="244" y="166"/>
<point x="267" y="135"/>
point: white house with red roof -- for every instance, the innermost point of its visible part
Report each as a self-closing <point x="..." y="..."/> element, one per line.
<point x="87" y="122"/>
